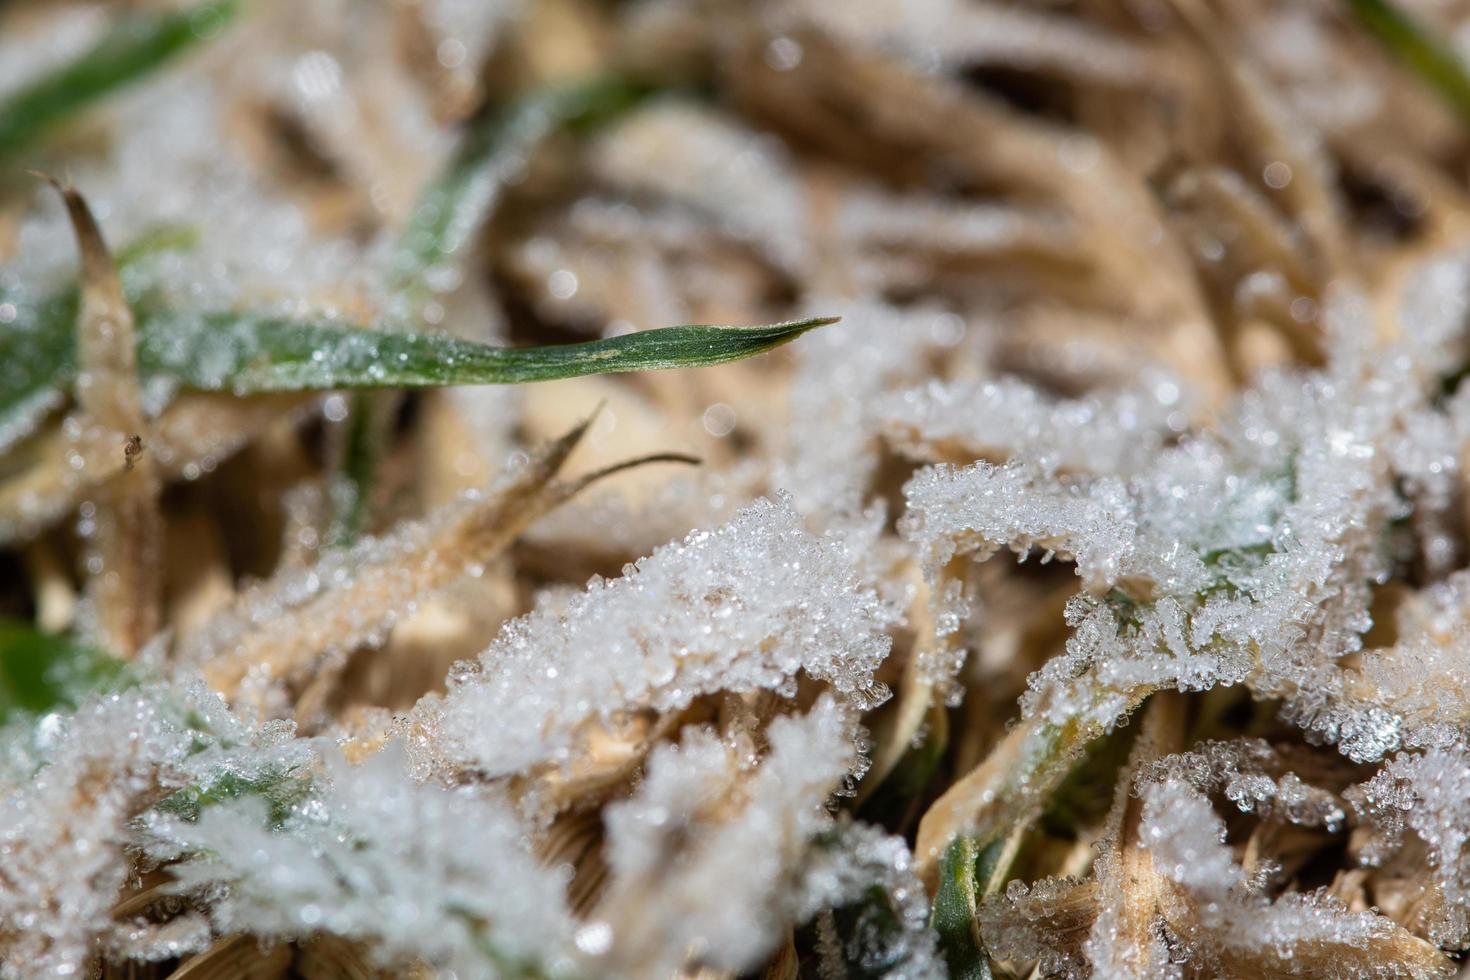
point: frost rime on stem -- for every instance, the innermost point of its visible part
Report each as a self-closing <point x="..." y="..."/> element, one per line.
<point x="743" y="607"/>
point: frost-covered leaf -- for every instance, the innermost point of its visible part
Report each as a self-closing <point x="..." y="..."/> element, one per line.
<point x="1209" y="902"/>
<point x="1112" y="432"/>
<point x="250" y="355"/>
<point x="723" y="876"/>
<point x="134" y="47"/>
<point x="879" y="909"/>
<point x="281" y="628"/>
<point x="68" y="800"/>
<point x="1428" y="793"/>
<point x="965" y="874"/>
<point x="246" y="354"/>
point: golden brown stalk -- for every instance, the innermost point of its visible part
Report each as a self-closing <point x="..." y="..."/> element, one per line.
<point x="1128" y="887"/>
<point x="121" y="521"/>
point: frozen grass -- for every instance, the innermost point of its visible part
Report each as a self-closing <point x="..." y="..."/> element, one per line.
<point x="1089" y="602"/>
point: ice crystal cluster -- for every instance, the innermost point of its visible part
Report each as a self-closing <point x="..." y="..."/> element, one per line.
<point x="1092" y="600"/>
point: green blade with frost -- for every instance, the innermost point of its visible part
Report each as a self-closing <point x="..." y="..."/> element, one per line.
<point x="430" y="251"/>
<point x="249" y="355"/>
<point x="967" y="867"/>
<point x="134" y="47"/>
<point x="253" y="354"/>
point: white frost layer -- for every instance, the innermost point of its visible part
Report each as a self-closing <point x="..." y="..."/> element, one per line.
<point x="745" y="606"/>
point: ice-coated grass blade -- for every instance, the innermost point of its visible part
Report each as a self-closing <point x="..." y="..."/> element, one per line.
<point x="248" y="355"/>
<point x="281" y="790"/>
<point x="134" y="47"/>
<point x="42" y="672"/>
<point x="252" y="354"/>
<point x="1433" y="61"/>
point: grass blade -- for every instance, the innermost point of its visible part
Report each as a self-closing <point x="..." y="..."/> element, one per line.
<point x="458" y="201"/>
<point x="1434" y="62"/>
<point x="132" y="49"/>
<point x="430" y="251"/>
<point x="247" y="355"/>
<point x="966" y="865"/>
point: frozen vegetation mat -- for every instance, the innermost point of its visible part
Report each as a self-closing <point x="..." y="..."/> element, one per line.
<point x="577" y="489"/>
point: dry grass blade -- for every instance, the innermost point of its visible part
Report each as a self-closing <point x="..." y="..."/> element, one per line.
<point x="269" y="637"/>
<point x="121" y="522"/>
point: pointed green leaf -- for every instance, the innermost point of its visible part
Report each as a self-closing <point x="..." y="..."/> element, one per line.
<point x="248" y="355"/>
<point x="134" y="47"/>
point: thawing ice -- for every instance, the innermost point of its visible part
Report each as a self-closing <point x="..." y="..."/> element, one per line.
<point x="745" y="606"/>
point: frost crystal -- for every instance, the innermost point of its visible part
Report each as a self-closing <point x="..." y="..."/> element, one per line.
<point x="706" y="856"/>
<point x="746" y="606"/>
<point x="858" y="863"/>
<point x="1242" y="556"/>
<point x="66" y="825"/>
<point x="998" y="420"/>
<point x="1429" y="793"/>
<point x="418" y="871"/>
<point x="834" y="433"/>
<point x="1213" y="907"/>
<point x="1255" y="778"/>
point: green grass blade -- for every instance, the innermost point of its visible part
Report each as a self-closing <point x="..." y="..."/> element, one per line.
<point x="255" y="354"/>
<point x="1423" y="54"/>
<point x="455" y="204"/>
<point x="41" y="672"/>
<point x="133" y="48"/>
<point x="964" y="867"/>
<point x="431" y="250"/>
